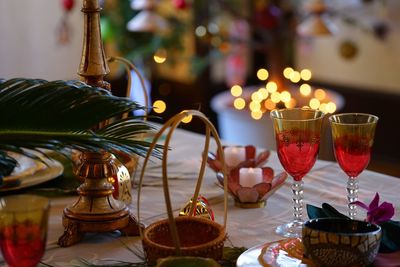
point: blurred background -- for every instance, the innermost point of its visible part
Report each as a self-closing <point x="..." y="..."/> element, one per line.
<point x="234" y="60"/>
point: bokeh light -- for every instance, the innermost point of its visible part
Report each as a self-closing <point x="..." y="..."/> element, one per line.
<point x="320" y="94"/>
<point x="256" y="114"/>
<point x="236" y="90"/>
<point x="305" y="89"/>
<point x="294" y="76"/>
<point x="263" y="93"/>
<point x="305" y="74"/>
<point x="239" y="103"/>
<point x="285" y="96"/>
<point x="187" y="119"/>
<point x="272" y="87"/>
<point x="159" y="106"/>
<point x="200" y="31"/>
<point x="314" y="103"/>
<point x="331" y="107"/>
<point x="287" y="71"/>
<point x="262" y="74"/>
<point x="255" y="106"/>
<point x="160" y="56"/>
<point x="268" y="104"/>
<point x="276" y="97"/>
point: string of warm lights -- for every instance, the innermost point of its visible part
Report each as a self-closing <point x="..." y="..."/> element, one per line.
<point x="269" y="97"/>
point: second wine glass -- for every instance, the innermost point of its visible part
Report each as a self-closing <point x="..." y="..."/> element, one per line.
<point x="297" y="134"/>
<point x="353" y="136"/>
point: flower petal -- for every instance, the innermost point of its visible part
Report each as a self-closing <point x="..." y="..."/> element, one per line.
<point x="250" y="152"/>
<point x="246" y="194"/>
<point x="375" y="202"/>
<point x="381" y="214"/>
<point x="360" y="204"/>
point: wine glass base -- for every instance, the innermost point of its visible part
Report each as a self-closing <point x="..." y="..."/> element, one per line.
<point x="292" y="229"/>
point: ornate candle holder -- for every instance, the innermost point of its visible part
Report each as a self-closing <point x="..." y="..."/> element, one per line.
<point x="96" y="210"/>
<point x="257" y="195"/>
<point x="248" y="197"/>
<point x="252" y="159"/>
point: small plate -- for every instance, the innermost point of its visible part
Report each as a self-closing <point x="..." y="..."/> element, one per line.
<point x="289" y="253"/>
<point x="52" y="170"/>
<point x="25" y="167"/>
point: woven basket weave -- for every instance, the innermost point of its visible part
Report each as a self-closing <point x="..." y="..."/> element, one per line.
<point x="184" y="235"/>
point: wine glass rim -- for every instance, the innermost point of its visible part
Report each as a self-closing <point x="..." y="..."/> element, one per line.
<point x="375" y="118"/>
<point x="44" y="203"/>
<point x="274" y="112"/>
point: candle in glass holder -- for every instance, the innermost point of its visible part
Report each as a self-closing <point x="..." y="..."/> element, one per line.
<point x="234" y="155"/>
<point x="248" y="177"/>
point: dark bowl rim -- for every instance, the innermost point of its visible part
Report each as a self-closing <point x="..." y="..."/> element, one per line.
<point x="379" y="229"/>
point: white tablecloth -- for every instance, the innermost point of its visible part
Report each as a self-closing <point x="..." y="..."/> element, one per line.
<point x="245" y="227"/>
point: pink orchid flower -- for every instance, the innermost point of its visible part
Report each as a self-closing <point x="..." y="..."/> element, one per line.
<point x="377" y="213"/>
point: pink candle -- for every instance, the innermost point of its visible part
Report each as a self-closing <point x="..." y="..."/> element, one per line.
<point x="248" y="177"/>
<point x="234" y="155"/>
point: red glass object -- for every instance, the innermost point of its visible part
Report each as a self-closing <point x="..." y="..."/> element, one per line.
<point x="353" y="136"/>
<point x="352" y="153"/>
<point x="297" y="134"/>
<point x="23" y="229"/>
<point x="297" y="158"/>
<point x="68" y="5"/>
<point x="23" y="245"/>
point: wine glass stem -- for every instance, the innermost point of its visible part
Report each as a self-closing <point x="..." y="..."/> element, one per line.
<point x="352" y="195"/>
<point x="297" y="189"/>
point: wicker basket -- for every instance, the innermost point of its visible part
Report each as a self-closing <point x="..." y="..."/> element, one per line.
<point x="184" y="235"/>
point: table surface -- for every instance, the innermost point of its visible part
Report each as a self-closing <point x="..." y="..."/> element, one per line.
<point x="245" y="227"/>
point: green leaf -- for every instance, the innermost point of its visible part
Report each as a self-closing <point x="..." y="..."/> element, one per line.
<point x="314" y="212"/>
<point x="332" y="212"/>
<point x="55" y="115"/>
<point x="390" y="236"/>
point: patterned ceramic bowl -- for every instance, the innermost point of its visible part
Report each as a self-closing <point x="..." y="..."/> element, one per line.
<point x="341" y="242"/>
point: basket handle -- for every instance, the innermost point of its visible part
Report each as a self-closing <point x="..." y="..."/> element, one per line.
<point x="173" y="123"/>
<point x="128" y="67"/>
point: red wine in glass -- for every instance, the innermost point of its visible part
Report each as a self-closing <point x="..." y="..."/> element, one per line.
<point x="23" y="229"/>
<point x="297" y="133"/>
<point x="352" y="153"/>
<point x="297" y="158"/>
<point x="353" y="136"/>
<point x="22" y="245"/>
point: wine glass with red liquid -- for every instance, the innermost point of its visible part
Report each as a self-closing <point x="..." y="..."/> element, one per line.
<point x="297" y="134"/>
<point x="353" y="136"/>
<point x="23" y="229"/>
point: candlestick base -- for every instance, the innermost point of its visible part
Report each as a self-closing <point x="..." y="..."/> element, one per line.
<point x="251" y="205"/>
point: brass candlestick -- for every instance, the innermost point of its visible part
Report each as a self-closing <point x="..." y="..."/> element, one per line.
<point x="96" y="210"/>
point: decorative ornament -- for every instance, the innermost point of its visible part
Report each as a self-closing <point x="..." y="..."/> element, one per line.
<point x="268" y="17"/>
<point x="380" y="30"/>
<point x="180" y="4"/>
<point x="64" y="29"/>
<point x="252" y="159"/>
<point x="248" y="197"/>
<point x="202" y="209"/>
<point x="257" y="195"/>
<point x="348" y="49"/>
<point x="316" y="23"/>
<point x="146" y="20"/>
<point x="237" y="61"/>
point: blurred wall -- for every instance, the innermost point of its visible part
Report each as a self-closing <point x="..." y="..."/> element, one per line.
<point x="28" y="40"/>
<point x="376" y="66"/>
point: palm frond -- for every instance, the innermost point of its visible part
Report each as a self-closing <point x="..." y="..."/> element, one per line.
<point x="55" y="115"/>
<point x="57" y="105"/>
